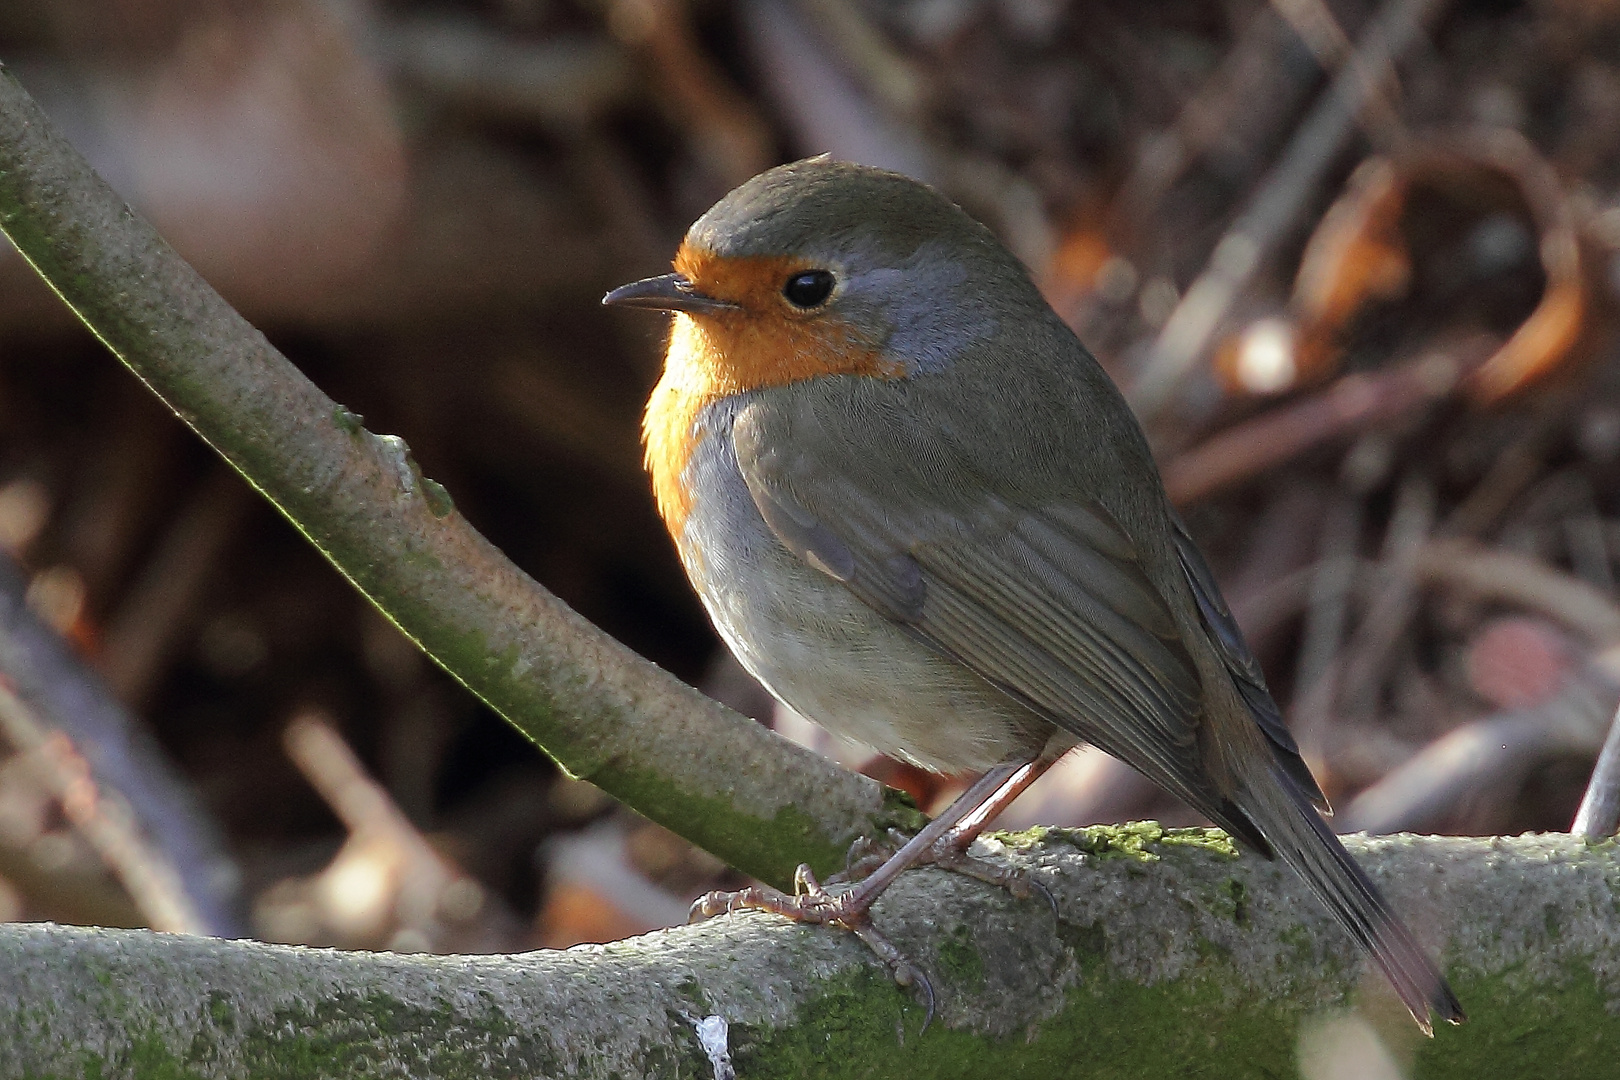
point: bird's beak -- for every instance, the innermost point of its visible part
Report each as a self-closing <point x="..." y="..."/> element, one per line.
<point x="668" y="292"/>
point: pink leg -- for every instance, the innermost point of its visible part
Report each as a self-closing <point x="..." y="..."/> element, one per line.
<point x="968" y="829"/>
<point x="942" y="841"/>
<point x="811" y="903"/>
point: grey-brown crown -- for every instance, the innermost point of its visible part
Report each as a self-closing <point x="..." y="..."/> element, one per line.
<point x="823" y="205"/>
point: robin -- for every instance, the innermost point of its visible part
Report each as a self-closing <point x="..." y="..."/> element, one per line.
<point x="921" y="514"/>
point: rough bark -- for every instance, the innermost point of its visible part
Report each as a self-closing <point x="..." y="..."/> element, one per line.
<point x="1170" y="956"/>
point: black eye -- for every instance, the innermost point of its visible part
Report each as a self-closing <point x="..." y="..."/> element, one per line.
<point x="809" y="288"/>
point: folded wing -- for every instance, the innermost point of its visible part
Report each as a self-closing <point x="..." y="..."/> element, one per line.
<point x="1047" y="602"/>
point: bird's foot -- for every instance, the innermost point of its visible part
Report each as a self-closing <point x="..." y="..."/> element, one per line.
<point x="811" y="902"/>
<point x="948" y="855"/>
<point x="866" y="854"/>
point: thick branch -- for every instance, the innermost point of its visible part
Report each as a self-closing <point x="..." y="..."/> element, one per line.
<point x="1169" y="958"/>
<point x="604" y="713"/>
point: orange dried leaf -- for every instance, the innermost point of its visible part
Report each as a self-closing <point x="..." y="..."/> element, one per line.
<point x="576" y="913"/>
<point x="1357" y="254"/>
<point x="1071" y="273"/>
<point x="1538" y="347"/>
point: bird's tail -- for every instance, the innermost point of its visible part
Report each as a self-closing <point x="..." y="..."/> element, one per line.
<point x="1303" y="840"/>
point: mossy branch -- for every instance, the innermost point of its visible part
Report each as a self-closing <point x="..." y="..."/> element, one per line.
<point x="605" y="714"/>
<point x="1170" y="956"/>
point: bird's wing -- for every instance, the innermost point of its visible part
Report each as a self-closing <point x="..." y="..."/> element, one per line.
<point x="1048" y="602"/>
<point x="1240" y="662"/>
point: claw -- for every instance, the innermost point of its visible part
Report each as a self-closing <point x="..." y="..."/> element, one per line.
<point x="812" y="903"/>
<point x="1051" y="901"/>
<point x="805" y="883"/>
<point x="905" y="973"/>
<point x="909" y="975"/>
<point x="947" y="855"/>
<point x="866" y="854"/>
<point x="927" y="989"/>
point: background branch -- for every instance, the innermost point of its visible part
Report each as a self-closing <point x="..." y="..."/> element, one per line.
<point x="54" y="682"/>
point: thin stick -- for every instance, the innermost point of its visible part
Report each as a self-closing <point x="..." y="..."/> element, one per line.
<point x="1491" y="755"/>
<point x="1599" y="815"/>
<point x="1316" y="678"/>
<point x="1394" y="599"/>
<point x="66" y="696"/>
<point x="1263" y="224"/>
<point x="147" y="876"/>
<point x="1353" y="404"/>
<point x="1316" y="26"/>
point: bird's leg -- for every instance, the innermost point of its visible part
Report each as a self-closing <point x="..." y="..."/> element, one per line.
<point x="950" y="850"/>
<point x="850" y="908"/>
<point x="812" y="903"/>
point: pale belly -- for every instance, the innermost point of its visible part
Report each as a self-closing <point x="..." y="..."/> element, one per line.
<point x="829" y="656"/>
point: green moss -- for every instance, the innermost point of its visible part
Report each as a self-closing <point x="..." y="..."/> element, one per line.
<point x="960" y="962"/>
<point x="151" y="1059"/>
<point x="1233" y="902"/>
<point x="1030" y="838"/>
<point x="900" y="811"/>
<point x="348" y="421"/>
<point x="221" y="1012"/>
<point x="864" y="1027"/>
<point x="1210" y="952"/>
<point x="1113" y="1029"/>
<point x="438" y="499"/>
<point x="1568" y="1031"/>
<point x="1299" y="939"/>
<point x="354" y="1036"/>
<point x="1131" y="840"/>
<point x="1214" y="841"/>
<point x="1088" y="945"/>
<point x="1136" y="840"/>
<point x="364" y="1036"/>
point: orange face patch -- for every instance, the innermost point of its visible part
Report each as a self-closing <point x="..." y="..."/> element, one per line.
<point x="764" y="342"/>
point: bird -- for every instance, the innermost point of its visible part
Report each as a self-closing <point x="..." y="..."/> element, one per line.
<point x="920" y="513"/>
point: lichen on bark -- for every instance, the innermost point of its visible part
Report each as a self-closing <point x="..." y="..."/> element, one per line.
<point x="1145" y="971"/>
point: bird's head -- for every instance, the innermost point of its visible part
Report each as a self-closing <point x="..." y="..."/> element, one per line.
<point x="826" y="268"/>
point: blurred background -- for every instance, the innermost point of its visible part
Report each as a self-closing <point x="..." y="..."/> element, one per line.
<point x="1355" y="263"/>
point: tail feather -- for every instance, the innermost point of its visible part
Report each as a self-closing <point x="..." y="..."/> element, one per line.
<point x="1302" y="839"/>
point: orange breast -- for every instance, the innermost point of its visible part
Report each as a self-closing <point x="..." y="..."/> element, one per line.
<point x="669" y="433"/>
<point x="762" y="343"/>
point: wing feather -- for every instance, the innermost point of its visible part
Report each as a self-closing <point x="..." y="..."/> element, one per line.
<point x="1048" y="603"/>
<point x="1244" y="668"/>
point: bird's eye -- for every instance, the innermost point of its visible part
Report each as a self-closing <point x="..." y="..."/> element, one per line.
<point x="809" y="288"/>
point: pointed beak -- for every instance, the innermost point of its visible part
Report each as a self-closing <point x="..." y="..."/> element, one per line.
<point x="668" y="292"/>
